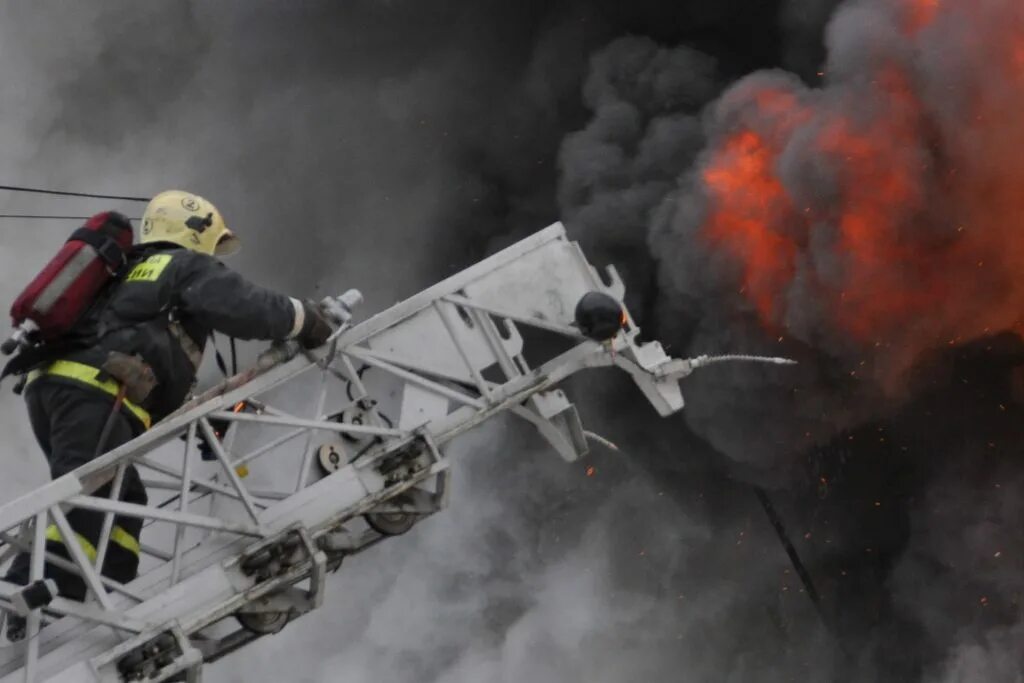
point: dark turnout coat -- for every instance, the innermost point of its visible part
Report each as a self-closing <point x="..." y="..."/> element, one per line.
<point x="168" y="291"/>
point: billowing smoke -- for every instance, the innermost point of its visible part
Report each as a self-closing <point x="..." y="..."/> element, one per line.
<point x="860" y="216"/>
<point x="871" y="212"/>
<point x="645" y="100"/>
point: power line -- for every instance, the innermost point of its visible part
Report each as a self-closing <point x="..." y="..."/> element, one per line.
<point x="64" y="193"/>
<point x="787" y="545"/>
<point x="50" y="218"/>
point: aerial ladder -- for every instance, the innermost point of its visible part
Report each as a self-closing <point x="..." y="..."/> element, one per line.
<point x="351" y="441"/>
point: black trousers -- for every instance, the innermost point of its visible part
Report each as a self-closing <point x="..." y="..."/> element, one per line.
<point x="67" y="420"/>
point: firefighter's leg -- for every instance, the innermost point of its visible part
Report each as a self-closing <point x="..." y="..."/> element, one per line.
<point x="68" y="421"/>
<point x="19" y="570"/>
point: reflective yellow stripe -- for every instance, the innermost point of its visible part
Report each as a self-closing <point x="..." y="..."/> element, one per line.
<point x="117" y="535"/>
<point x="53" y="534"/>
<point x="125" y="540"/>
<point x="86" y="374"/>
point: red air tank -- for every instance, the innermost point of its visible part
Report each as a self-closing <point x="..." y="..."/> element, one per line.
<point x="65" y="288"/>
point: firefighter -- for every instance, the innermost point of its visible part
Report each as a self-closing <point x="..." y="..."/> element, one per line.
<point x="134" y="360"/>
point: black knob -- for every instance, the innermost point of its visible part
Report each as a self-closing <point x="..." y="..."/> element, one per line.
<point x="599" y="316"/>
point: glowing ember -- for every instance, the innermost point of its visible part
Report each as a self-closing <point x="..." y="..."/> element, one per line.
<point x="591" y="471"/>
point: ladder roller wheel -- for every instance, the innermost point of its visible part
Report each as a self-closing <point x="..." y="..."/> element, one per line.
<point x="263" y="623"/>
<point x="330" y="458"/>
<point x="130" y="663"/>
<point x="391" y="523"/>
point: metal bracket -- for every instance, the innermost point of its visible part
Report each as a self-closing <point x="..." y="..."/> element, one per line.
<point x="153" y="657"/>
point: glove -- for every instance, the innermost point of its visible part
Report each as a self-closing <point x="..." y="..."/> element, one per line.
<point x="315" y="328"/>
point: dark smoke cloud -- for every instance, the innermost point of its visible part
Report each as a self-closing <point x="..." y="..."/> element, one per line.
<point x="803" y="23"/>
<point x="903" y="541"/>
<point x="620" y="175"/>
<point x="645" y="100"/>
<point x="959" y="576"/>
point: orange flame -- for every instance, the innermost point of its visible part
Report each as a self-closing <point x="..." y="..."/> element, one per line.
<point x="742" y="189"/>
<point x="919" y="14"/>
<point x="910" y="231"/>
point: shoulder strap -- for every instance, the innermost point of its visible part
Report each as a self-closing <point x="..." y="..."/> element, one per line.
<point x="188" y="345"/>
<point x="109" y="250"/>
<point x="221" y="363"/>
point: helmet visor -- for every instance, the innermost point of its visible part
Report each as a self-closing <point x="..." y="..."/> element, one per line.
<point x="227" y="244"/>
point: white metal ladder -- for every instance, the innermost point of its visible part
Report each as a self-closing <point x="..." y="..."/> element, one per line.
<point x="349" y="442"/>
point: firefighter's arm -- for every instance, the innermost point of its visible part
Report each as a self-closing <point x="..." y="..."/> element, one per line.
<point x="223" y="300"/>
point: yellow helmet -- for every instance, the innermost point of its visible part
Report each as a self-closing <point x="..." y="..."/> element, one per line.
<point x="189" y="220"/>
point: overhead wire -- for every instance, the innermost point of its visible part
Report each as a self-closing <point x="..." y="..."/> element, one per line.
<point x="62" y="193"/>
<point x="66" y="193"/>
<point x="827" y="620"/>
<point x="34" y="216"/>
